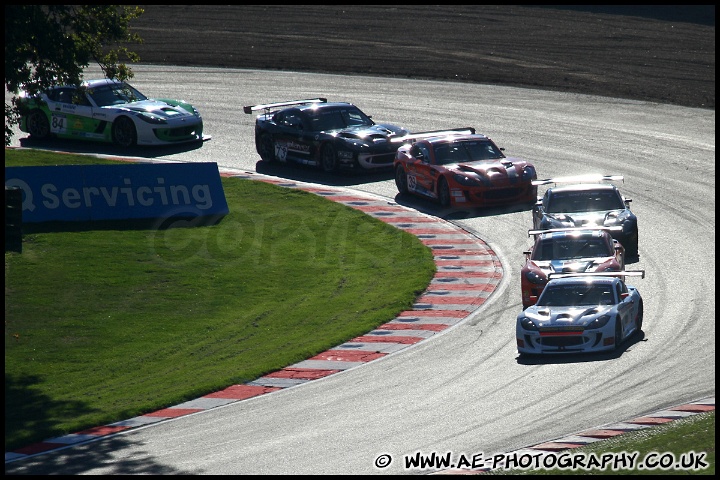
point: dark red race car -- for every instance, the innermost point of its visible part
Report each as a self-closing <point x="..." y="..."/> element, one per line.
<point x="568" y="250"/>
<point x="460" y="167"/>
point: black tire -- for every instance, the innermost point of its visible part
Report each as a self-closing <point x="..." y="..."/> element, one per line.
<point x="618" y="333"/>
<point x="401" y="180"/>
<point x="124" y="134"/>
<point x="328" y="159"/>
<point x="266" y="148"/>
<point x="443" y="192"/>
<point x="38" y="125"/>
<point x="639" y="319"/>
<point x="632" y="247"/>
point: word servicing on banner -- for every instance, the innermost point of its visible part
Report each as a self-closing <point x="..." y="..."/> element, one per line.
<point x="118" y="192"/>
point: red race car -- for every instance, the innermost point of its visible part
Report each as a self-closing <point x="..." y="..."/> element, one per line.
<point x="460" y="167"/>
<point x="568" y="250"/>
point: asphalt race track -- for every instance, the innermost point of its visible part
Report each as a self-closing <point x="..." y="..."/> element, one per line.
<point x="464" y="390"/>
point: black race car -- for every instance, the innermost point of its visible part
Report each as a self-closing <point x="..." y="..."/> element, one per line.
<point x="328" y="135"/>
<point x="587" y="205"/>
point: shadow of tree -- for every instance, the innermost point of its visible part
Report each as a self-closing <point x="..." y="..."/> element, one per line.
<point x="96" y="454"/>
<point x="28" y="413"/>
<point x="28" y="421"/>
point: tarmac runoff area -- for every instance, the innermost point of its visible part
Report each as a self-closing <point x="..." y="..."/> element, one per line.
<point x="468" y="272"/>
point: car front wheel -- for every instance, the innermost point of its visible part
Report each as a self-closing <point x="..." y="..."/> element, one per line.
<point x="401" y="180"/>
<point x="123" y="133"/>
<point x="632" y="247"/>
<point x="639" y="319"/>
<point x="618" y="334"/>
<point x="328" y="159"/>
<point x="443" y="192"/>
<point x="38" y="125"/>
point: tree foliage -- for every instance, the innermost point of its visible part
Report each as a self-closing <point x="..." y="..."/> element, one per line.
<point x="48" y="45"/>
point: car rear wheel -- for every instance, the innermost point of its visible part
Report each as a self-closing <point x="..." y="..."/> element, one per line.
<point x="266" y="148"/>
<point x="443" y="192"/>
<point x="401" y="180"/>
<point x="38" y="125"/>
<point x="123" y="133"/>
<point x="328" y="159"/>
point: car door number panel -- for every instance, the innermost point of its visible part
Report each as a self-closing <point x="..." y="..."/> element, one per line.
<point x="58" y="124"/>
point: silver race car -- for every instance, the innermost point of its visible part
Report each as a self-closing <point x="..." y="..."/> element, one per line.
<point x="580" y="313"/>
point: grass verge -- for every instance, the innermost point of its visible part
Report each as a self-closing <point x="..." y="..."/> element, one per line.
<point x="105" y="322"/>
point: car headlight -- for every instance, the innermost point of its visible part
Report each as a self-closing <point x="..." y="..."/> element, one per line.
<point x="619" y="218"/>
<point x="529" y="173"/>
<point x="535" y="277"/>
<point x="466" y="181"/>
<point x="612" y="220"/>
<point x="599" y="322"/>
<point x="150" y="118"/>
<point x="528" y="324"/>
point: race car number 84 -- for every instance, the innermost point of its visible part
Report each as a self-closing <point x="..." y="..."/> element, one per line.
<point x="57" y="125"/>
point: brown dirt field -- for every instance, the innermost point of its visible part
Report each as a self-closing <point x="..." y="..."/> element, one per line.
<point x="662" y="54"/>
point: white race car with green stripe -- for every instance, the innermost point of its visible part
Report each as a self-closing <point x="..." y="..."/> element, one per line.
<point x="110" y="111"/>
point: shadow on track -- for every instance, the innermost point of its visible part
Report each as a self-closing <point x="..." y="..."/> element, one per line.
<point x="97" y="148"/>
<point x="302" y="173"/>
<point x="458" y="213"/>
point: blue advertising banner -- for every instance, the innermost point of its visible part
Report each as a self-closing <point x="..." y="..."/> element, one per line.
<point x="118" y="192"/>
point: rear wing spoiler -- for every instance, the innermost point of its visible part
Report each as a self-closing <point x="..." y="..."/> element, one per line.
<point x="616" y="228"/>
<point x="626" y="273"/>
<point x="411" y="137"/>
<point x="270" y="106"/>
<point x="591" y="178"/>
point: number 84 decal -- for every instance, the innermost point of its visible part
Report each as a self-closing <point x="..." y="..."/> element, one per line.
<point x="58" y="123"/>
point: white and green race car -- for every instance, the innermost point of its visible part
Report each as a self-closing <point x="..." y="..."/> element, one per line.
<point x="110" y="111"/>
